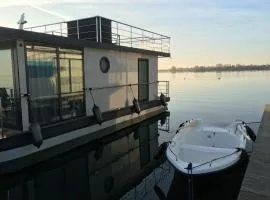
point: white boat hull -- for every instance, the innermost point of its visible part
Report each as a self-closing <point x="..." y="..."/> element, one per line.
<point x="200" y="149"/>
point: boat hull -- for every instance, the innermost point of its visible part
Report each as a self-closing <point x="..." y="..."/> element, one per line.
<point x="202" y="149"/>
<point x="224" y="184"/>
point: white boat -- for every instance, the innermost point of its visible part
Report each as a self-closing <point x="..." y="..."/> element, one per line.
<point x="201" y="149"/>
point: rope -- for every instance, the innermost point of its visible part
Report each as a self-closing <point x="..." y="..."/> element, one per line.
<point x="190" y="181"/>
<point x="172" y="152"/>
<point x="132" y="91"/>
<point x="90" y="90"/>
<point x="253" y="122"/>
<point x="237" y="150"/>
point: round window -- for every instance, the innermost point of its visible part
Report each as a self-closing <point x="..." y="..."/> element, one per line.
<point x="104" y="64"/>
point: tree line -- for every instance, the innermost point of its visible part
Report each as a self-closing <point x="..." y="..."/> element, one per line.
<point x="218" y="68"/>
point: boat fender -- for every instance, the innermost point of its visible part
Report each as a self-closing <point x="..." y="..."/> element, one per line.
<point x="108" y="184"/>
<point x="162" y="148"/>
<point x="136" y="106"/>
<point x="242" y="129"/>
<point x="162" y="98"/>
<point x="98" y="153"/>
<point x="163" y="120"/>
<point x="36" y="134"/>
<point x="97" y="113"/>
<point x="180" y="126"/>
<point x="250" y="133"/>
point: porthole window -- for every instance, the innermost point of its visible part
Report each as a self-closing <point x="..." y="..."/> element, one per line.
<point x="104" y="64"/>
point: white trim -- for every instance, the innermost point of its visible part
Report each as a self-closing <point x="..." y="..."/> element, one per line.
<point x="23" y="83"/>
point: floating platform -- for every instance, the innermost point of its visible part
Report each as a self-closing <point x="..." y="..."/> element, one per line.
<point x="256" y="183"/>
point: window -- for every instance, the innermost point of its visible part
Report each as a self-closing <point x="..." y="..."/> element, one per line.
<point x="104" y="64"/>
<point x="55" y="83"/>
<point x="71" y="75"/>
<point x="9" y="104"/>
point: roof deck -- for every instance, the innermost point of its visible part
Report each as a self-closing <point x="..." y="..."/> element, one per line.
<point x="102" y="30"/>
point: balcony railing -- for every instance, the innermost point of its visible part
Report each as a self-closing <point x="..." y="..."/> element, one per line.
<point x="103" y="30"/>
<point x="162" y="86"/>
<point x="54" y="108"/>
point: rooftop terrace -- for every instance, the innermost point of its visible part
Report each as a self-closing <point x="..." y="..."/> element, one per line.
<point x="103" y="30"/>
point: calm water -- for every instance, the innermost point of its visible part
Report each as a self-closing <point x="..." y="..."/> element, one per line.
<point x="218" y="98"/>
<point x="121" y="166"/>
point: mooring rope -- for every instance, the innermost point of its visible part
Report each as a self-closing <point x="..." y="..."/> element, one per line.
<point x="90" y="90"/>
<point x="253" y="122"/>
<point x="190" y="181"/>
<point x="210" y="161"/>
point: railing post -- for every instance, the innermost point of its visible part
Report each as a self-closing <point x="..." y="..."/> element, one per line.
<point x="168" y="88"/>
<point x="61" y="29"/>
<point x="161" y="45"/>
<point x="97" y="29"/>
<point x="78" y="31"/>
<point x="100" y="30"/>
<point x="131" y="36"/>
<point x="118" y="36"/>
<point x="45" y="27"/>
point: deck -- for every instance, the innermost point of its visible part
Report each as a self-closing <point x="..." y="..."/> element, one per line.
<point x="256" y="183"/>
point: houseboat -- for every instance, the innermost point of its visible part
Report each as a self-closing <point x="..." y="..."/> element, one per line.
<point x="61" y="83"/>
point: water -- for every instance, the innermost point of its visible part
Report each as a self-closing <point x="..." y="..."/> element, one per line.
<point x="121" y="166"/>
<point x="218" y="98"/>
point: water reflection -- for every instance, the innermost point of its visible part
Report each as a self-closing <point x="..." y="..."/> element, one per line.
<point x="119" y="166"/>
<point x="103" y="169"/>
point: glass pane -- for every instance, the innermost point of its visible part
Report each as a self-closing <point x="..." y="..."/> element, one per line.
<point x="143" y="79"/>
<point x="8" y="101"/>
<point x="72" y="105"/>
<point x="42" y="83"/>
<point x="77" y="75"/>
<point x="65" y="75"/>
<point x="6" y="78"/>
<point x="72" y="97"/>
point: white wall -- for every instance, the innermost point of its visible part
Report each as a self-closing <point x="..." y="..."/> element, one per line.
<point x="123" y="70"/>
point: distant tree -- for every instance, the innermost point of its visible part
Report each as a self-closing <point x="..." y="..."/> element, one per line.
<point x="173" y="69"/>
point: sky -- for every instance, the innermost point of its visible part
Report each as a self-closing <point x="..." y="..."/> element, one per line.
<point x="203" y="32"/>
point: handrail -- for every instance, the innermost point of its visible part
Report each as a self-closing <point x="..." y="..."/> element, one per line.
<point x="117" y="33"/>
<point x="55" y="96"/>
<point x="123" y="85"/>
<point x="135" y="27"/>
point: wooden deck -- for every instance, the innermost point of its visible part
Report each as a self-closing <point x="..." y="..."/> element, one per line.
<point x="256" y="183"/>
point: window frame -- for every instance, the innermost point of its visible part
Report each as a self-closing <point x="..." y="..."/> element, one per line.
<point x="60" y="94"/>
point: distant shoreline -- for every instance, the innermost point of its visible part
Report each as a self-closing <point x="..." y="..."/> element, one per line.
<point x="231" y="68"/>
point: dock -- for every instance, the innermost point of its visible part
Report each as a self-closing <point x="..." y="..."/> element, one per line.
<point x="256" y="183"/>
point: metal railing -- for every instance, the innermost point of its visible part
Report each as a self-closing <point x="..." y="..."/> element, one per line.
<point x="103" y="30"/>
<point x="164" y="124"/>
<point x="162" y="86"/>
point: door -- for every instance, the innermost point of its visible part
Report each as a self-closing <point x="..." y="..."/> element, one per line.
<point x="143" y="80"/>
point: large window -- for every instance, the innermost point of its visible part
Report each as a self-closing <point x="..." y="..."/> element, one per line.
<point x="9" y="104"/>
<point x="55" y="83"/>
<point x="71" y="76"/>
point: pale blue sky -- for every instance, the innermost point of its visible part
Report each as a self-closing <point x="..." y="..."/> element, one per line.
<point x="204" y="32"/>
